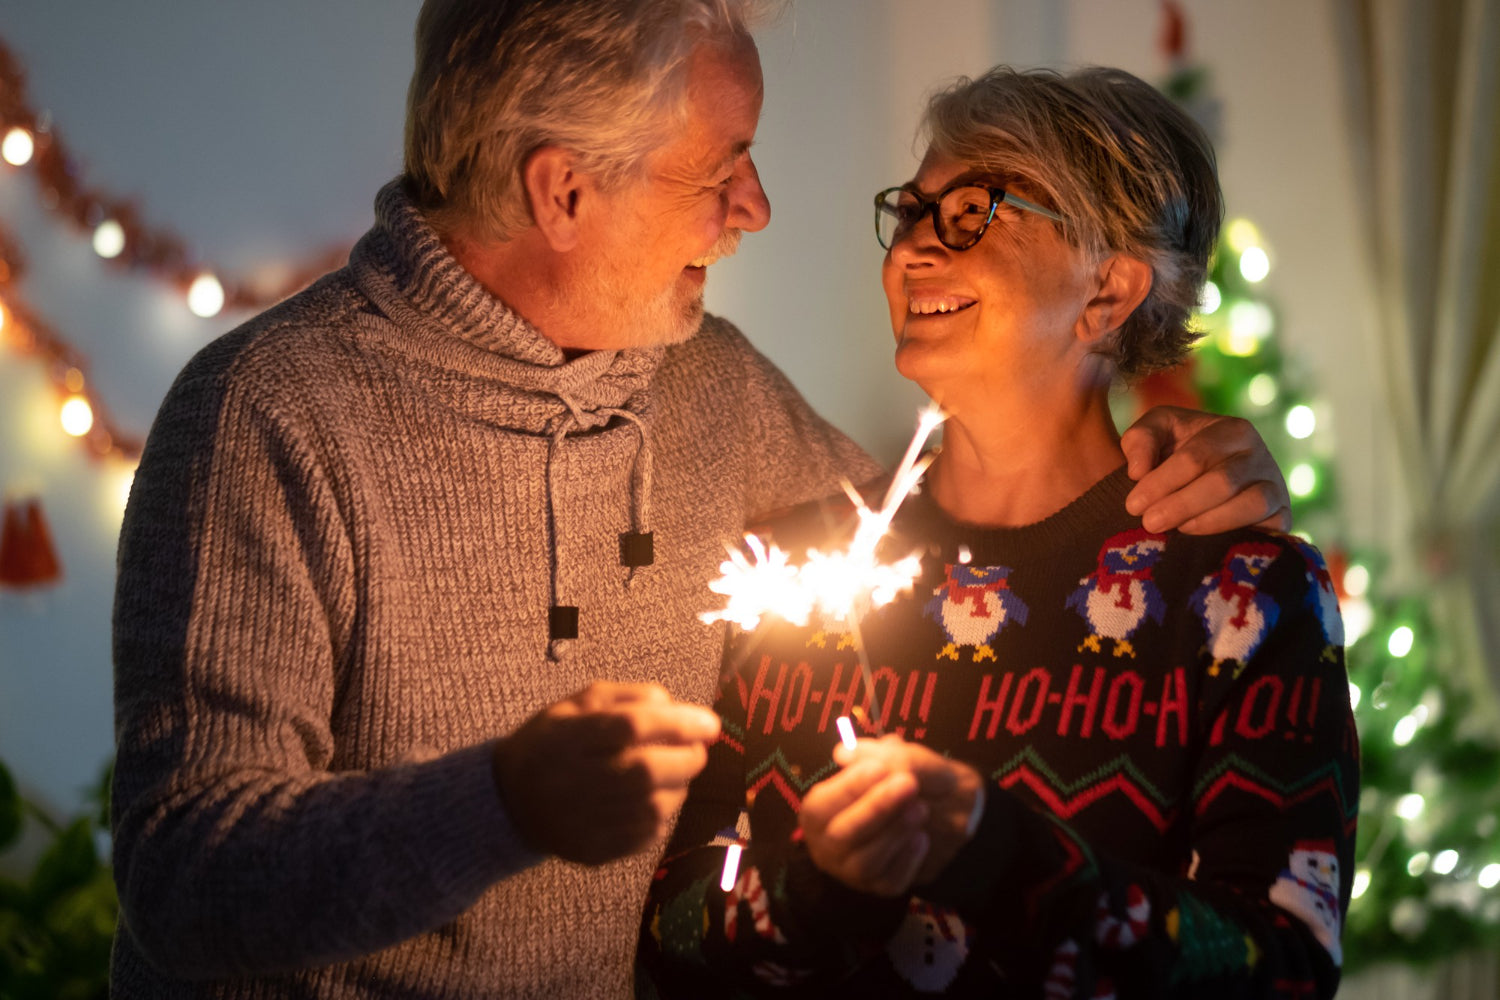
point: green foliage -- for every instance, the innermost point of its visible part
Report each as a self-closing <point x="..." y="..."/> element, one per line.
<point x="57" y="922"/>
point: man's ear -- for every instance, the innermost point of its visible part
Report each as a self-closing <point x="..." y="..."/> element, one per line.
<point x="553" y="188"/>
<point x="1124" y="283"/>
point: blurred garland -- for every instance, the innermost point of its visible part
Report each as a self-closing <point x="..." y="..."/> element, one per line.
<point x="123" y="239"/>
<point x="1427" y="872"/>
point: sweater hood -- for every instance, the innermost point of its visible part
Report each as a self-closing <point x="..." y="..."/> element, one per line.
<point x="440" y="313"/>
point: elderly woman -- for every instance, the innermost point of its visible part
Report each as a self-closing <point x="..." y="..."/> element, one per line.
<point x="1115" y="762"/>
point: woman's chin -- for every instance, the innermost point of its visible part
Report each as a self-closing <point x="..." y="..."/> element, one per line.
<point x="926" y="363"/>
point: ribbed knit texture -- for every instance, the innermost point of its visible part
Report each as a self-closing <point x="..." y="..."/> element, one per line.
<point x="335" y="571"/>
<point x="1163" y="723"/>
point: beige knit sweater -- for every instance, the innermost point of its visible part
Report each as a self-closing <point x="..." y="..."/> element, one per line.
<point x="351" y="519"/>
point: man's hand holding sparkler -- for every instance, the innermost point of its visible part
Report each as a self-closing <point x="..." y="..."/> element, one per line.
<point x="893" y="818"/>
<point x="600" y="775"/>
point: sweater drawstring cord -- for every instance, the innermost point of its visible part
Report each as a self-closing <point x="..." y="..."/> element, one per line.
<point x="578" y="418"/>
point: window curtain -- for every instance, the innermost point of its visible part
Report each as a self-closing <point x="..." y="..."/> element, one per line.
<point x="1422" y="89"/>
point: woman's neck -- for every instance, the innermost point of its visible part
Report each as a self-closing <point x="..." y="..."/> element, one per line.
<point x="1006" y="469"/>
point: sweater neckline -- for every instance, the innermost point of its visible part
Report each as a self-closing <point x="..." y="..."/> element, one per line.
<point x="921" y="517"/>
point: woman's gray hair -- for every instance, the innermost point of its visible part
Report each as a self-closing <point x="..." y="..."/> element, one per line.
<point x="496" y="80"/>
<point x="1127" y="168"/>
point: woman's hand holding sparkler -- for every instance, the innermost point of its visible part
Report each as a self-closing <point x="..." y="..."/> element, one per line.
<point x="599" y="775"/>
<point x="866" y="826"/>
<point x="893" y="818"/>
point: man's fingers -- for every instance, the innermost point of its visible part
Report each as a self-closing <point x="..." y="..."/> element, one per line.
<point x="675" y="722"/>
<point x="1158" y="433"/>
<point x="601" y="696"/>
<point x="612" y="730"/>
<point x="1255" y="502"/>
<point x="667" y="766"/>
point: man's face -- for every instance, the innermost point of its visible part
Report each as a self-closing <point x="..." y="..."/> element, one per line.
<point x="637" y="278"/>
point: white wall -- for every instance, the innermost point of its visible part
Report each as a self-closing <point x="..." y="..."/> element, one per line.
<point x="260" y="133"/>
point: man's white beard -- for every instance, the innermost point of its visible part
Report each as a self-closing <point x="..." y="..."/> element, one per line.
<point x="666" y="319"/>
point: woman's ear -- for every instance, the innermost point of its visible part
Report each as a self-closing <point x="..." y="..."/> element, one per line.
<point x="1124" y="283"/>
<point x="553" y="187"/>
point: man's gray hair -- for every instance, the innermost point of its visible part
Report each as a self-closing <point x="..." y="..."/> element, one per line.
<point x="1127" y="168"/>
<point x="496" y="80"/>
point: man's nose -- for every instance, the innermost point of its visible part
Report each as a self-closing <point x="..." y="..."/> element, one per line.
<point x="749" y="208"/>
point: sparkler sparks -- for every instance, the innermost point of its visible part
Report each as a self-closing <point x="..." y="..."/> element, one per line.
<point x="843" y="585"/>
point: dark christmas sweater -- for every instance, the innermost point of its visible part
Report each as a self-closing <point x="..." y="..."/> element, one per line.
<point x="1163" y="721"/>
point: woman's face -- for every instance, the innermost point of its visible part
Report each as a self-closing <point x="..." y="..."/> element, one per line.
<point x="1002" y="310"/>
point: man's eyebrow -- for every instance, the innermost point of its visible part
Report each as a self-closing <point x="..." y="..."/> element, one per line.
<point x="739" y="149"/>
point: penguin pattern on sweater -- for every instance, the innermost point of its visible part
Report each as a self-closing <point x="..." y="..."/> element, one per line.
<point x="1164" y="727"/>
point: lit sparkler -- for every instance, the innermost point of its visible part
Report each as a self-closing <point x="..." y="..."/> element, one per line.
<point x="843" y="586"/>
<point x="840" y="585"/>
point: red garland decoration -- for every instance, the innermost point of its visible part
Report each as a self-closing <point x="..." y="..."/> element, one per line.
<point x="28" y="333"/>
<point x="150" y="248"/>
<point x="27" y="557"/>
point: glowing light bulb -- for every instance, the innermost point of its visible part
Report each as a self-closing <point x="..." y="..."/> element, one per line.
<point x="1445" y="862"/>
<point x="1254" y="264"/>
<point x="1262" y="389"/>
<point x="109" y="239"/>
<point x="1251" y="319"/>
<point x="1359" y="618"/>
<point x="1410" y="806"/>
<point x="206" y="296"/>
<point x="1210" y="299"/>
<point x="1401" y="641"/>
<point x="1489" y="876"/>
<point x="17" y="147"/>
<point x="1354" y="694"/>
<point x="1405" y="730"/>
<point x="1241" y="235"/>
<point x="1302" y="479"/>
<point x="77" y="416"/>
<point x="964" y="555"/>
<point x="124" y="481"/>
<point x="1418" y="863"/>
<point x="1361" y="883"/>
<point x="1301" y="421"/>
<point x="1356" y="580"/>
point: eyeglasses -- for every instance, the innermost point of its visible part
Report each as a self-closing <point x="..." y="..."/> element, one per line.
<point x="960" y="214"/>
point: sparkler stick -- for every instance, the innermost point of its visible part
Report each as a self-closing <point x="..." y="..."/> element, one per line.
<point x="846" y="731"/>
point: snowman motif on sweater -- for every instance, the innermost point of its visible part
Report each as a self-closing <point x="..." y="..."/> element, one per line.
<point x="929" y="947"/>
<point x="1308" y="889"/>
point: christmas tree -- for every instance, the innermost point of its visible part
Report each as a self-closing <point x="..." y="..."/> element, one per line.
<point x="1427" y="879"/>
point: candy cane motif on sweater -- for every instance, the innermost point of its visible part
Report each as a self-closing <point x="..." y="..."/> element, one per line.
<point x="748" y="889"/>
<point x="1119" y="934"/>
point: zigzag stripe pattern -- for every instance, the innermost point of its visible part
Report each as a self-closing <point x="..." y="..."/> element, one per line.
<point x="1068" y="799"/>
<point x="1236" y="772"/>
<point x="778" y="771"/>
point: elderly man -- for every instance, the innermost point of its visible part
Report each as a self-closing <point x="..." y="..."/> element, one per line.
<point x="406" y="653"/>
